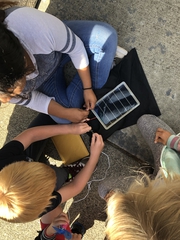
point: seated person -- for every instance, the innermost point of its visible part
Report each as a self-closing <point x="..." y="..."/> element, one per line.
<point x="147" y="208"/>
<point x="28" y="189"/>
<point x="150" y="209"/>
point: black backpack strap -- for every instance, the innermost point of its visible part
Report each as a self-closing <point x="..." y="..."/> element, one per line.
<point x="10" y="10"/>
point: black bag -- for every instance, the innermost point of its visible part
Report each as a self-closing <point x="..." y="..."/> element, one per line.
<point x="130" y="71"/>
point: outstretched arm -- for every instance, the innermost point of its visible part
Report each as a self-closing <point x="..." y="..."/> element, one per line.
<point x="74" y="115"/>
<point x="42" y="132"/>
<point x="77" y="185"/>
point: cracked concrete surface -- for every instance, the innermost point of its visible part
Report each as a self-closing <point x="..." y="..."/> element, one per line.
<point x="152" y="27"/>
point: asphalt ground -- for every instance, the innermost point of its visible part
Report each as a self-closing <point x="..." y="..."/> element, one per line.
<point x="152" y="27"/>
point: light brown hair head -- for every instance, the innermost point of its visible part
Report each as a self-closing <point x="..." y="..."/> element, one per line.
<point x="150" y="210"/>
<point x="25" y="190"/>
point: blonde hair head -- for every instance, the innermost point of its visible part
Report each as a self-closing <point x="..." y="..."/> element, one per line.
<point x="150" y="210"/>
<point x="25" y="190"/>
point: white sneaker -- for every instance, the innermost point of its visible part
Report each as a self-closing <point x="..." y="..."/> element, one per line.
<point x="120" y="52"/>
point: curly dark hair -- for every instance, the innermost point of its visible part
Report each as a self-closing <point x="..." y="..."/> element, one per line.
<point x="12" y="61"/>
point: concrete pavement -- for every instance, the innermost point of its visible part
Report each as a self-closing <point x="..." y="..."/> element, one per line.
<point x="152" y="27"/>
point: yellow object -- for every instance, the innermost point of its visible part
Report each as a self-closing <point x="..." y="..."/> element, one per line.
<point x="70" y="148"/>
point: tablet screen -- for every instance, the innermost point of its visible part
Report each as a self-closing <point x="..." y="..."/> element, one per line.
<point x="115" y="105"/>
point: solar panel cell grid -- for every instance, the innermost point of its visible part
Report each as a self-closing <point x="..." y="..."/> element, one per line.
<point x="115" y="105"/>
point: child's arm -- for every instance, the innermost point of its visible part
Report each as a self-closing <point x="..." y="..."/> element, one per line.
<point x="166" y="138"/>
<point x="61" y="219"/>
<point x="77" y="185"/>
<point x="174" y="142"/>
<point x="162" y="136"/>
<point x="72" y="114"/>
<point x="42" y="132"/>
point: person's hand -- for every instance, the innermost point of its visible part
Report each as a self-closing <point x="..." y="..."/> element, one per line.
<point x="162" y="136"/>
<point x="97" y="144"/>
<point x="76" y="236"/>
<point x="90" y="99"/>
<point x="76" y="115"/>
<point x="61" y="219"/>
<point x="79" y="128"/>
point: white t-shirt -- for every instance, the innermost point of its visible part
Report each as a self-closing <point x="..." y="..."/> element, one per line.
<point x="43" y="35"/>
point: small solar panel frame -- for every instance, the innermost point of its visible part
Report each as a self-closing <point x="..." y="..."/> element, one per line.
<point x="126" y="101"/>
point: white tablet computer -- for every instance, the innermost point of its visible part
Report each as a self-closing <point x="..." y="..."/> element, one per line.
<point x="115" y="105"/>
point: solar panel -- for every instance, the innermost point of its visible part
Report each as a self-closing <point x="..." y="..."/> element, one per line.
<point x="115" y="105"/>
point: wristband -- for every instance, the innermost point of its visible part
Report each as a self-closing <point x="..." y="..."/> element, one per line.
<point x="46" y="237"/>
<point x="87" y="88"/>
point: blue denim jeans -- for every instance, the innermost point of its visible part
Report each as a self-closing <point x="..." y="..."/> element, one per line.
<point x="100" y="41"/>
